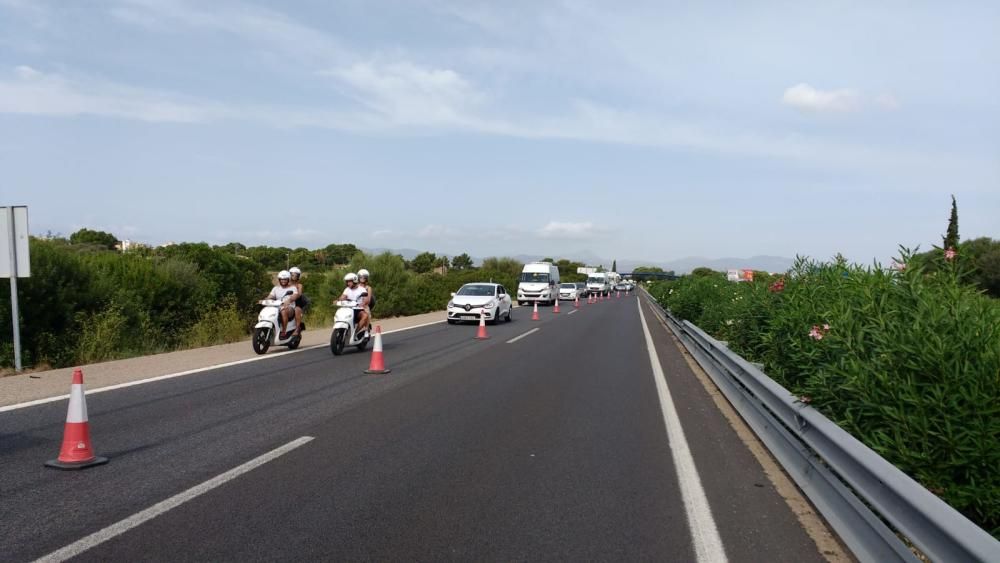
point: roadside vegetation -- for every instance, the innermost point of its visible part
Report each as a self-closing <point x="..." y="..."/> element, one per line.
<point x="88" y="302"/>
<point x="905" y="358"/>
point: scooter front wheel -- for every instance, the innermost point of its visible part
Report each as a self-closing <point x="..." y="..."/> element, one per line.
<point x="337" y="341"/>
<point x="261" y="340"/>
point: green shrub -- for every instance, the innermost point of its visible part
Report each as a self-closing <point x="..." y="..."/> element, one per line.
<point x="220" y="325"/>
<point x="102" y="335"/>
<point x="906" y="361"/>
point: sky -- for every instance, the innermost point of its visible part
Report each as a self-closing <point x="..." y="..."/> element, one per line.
<point x="640" y="130"/>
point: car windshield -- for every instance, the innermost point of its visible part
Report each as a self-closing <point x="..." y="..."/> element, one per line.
<point x="568" y="286"/>
<point x="535" y="277"/>
<point x="478" y="290"/>
<point x="581" y="285"/>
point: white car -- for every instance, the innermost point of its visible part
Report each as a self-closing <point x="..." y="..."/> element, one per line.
<point x="474" y="299"/>
<point x="569" y="291"/>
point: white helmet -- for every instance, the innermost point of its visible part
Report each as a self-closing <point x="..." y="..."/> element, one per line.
<point x="351" y="277"/>
<point x="284" y="275"/>
<point x="295" y="271"/>
<point x="362" y="273"/>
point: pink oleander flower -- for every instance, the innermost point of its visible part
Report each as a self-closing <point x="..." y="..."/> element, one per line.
<point x="805" y="399"/>
<point x="826" y="328"/>
<point x="950" y="254"/>
<point x="816" y="333"/>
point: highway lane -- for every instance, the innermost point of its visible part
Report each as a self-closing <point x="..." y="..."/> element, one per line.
<point x="549" y="447"/>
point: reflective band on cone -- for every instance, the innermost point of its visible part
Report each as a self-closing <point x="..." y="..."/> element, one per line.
<point x="377" y="365"/>
<point x="481" y="335"/>
<point x="76" y="451"/>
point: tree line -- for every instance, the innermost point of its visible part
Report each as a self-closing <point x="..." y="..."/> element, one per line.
<point x="87" y="301"/>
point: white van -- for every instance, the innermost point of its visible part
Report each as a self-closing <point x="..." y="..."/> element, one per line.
<point x="539" y="282"/>
<point x="597" y="284"/>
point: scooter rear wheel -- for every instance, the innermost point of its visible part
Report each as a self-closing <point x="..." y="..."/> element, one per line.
<point x="261" y="340"/>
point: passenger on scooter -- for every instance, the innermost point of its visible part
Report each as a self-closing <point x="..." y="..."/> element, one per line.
<point x="369" y="301"/>
<point x="287" y="294"/>
<point x="302" y="302"/>
<point x="355" y="293"/>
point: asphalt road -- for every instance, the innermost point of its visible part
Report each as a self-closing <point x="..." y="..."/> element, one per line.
<point x="550" y="447"/>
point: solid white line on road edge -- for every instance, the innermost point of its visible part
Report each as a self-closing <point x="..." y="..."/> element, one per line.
<point x="704" y="534"/>
<point x="119" y="528"/>
<point x="529" y="333"/>
<point x="188" y="372"/>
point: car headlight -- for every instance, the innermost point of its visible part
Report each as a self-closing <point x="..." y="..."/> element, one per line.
<point x="490" y="305"/>
<point x="451" y="304"/>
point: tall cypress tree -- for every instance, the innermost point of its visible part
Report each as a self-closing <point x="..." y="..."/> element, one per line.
<point x="614" y="265"/>
<point x="951" y="239"/>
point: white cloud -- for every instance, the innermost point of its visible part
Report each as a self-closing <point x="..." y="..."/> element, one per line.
<point x="261" y="28"/>
<point x="408" y="94"/>
<point x="804" y="96"/>
<point x="570" y="231"/>
<point x="886" y="101"/>
<point x="30" y="91"/>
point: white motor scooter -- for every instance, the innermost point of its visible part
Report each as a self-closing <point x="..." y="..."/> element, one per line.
<point x="344" y="331"/>
<point x="267" y="332"/>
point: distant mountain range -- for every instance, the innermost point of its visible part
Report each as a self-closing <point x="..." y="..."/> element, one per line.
<point x="679" y="266"/>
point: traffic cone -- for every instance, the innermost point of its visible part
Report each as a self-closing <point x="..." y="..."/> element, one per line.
<point x="556" y="308"/>
<point x="481" y="335"/>
<point x="534" y="315"/>
<point x="76" y="452"/>
<point x="619" y="295"/>
<point x="576" y="302"/>
<point x="377" y="365"/>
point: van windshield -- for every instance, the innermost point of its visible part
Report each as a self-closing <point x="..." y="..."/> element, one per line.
<point x="595" y="279"/>
<point x="535" y="277"/>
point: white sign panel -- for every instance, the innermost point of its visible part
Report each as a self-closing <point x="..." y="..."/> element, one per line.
<point x="586" y="270"/>
<point x="20" y="235"/>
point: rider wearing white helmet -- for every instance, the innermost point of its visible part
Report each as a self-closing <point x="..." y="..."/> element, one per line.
<point x="359" y="295"/>
<point x="302" y="302"/>
<point x="285" y="292"/>
<point x="369" y="301"/>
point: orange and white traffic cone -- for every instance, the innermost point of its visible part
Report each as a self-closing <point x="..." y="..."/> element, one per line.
<point x="619" y="295"/>
<point x="534" y="315"/>
<point x="377" y="365"/>
<point x="481" y="335"/>
<point x="576" y="302"/>
<point x="556" y="308"/>
<point x="76" y="452"/>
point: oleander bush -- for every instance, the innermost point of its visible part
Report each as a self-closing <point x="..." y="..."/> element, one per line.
<point x="906" y="359"/>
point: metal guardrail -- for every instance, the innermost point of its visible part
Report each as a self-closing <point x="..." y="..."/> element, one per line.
<point x="853" y="487"/>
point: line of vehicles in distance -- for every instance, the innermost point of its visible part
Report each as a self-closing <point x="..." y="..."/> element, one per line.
<point x="539" y="283"/>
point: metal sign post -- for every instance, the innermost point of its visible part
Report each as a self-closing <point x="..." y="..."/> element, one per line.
<point x="15" y="264"/>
